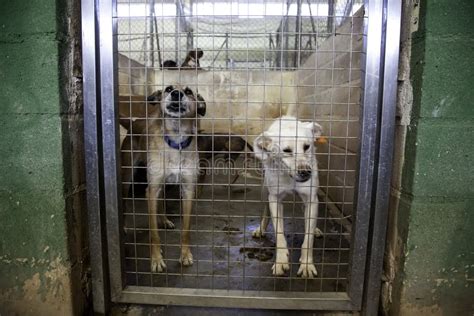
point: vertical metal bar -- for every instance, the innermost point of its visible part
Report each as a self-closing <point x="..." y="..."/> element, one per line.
<point x="190" y="38"/>
<point x="227" y="50"/>
<point x="287" y="40"/>
<point x="349" y="7"/>
<point x="385" y="155"/>
<point x="330" y="22"/>
<point x="297" y="52"/>
<point x="176" y="32"/>
<point x="371" y="66"/>
<point x="108" y="79"/>
<point x="313" y="26"/>
<point x="286" y="34"/>
<point x="93" y="158"/>
<point x="151" y="14"/>
<point x="157" y="40"/>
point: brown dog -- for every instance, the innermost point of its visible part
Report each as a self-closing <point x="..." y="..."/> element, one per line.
<point x="227" y="145"/>
<point x="134" y="115"/>
<point x="168" y="147"/>
<point x="136" y="106"/>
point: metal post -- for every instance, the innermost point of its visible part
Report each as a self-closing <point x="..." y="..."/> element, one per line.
<point x="313" y="26"/>
<point x="330" y="23"/>
<point x="227" y="50"/>
<point x="190" y="38"/>
<point x="371" y="96"/>
<point x="297" y="52"/>
<point x="155" y="23"/>
<point x="348" y="9"/>
<point x="385" y="155"/>
<point x="92" y="136"/>
<point x="279" y="47"/>
<point x="176" y="33"/>
<point x="110" y="141"/>
<point x="286" y="35"/>
<point x="151" y="14"/>
<point x="158" y="48"/>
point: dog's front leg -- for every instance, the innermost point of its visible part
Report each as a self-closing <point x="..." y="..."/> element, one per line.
<point x="153" y="193"/>
<point x="281" y="261"/>
<point x="307" y="268"/>
<point x="186" y="258"/>
<point x="259" y="232"/>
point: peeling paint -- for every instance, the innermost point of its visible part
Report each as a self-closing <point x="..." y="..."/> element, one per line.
<point x="47" y="293"/>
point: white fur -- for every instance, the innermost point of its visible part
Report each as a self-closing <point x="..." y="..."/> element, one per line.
<point x="282" y="178"/>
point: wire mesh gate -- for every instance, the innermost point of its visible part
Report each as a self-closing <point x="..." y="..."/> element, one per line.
<point x="314" y="60"/>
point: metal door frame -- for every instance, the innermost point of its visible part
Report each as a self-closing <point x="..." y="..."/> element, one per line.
<point x="379" y="69"/>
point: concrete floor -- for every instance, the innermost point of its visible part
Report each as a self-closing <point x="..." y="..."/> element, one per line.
<point x="225" y="254"/>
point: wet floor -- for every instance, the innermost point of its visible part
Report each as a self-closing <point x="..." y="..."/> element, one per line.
<point x="226" y="256"/>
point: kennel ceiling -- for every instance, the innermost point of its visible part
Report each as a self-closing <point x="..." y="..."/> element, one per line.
<point x="232" y="33"/>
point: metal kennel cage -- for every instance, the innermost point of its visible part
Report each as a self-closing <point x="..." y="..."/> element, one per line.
<point x="334" y="62"/>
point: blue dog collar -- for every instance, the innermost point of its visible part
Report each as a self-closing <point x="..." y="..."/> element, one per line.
<point x="182" y="145"/>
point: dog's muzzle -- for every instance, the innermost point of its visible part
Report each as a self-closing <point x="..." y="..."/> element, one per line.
<point x="176" y="104"/>
<point x="303" y="175"/>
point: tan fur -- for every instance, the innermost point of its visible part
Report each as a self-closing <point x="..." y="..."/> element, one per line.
<point x="136" y="106"/>
<point x="166" y="164"/>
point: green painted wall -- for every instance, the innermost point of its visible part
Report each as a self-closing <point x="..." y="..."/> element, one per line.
<point x="438" y="176"/>
<point x="35" y="246"/>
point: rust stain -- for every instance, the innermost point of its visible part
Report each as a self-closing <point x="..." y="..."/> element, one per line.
<point x="410" y="309"/>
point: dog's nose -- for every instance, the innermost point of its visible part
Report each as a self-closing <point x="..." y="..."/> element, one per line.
<point x="304" y="174"/>
<point x="176" y="95"/>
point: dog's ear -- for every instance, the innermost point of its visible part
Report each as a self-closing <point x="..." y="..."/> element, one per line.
<point x="262" y="146"/>
<point x="201" y="105"/>
<point x="317" y="133"/>
<point x="196" y="53"/>
<point x="316" y="128"/>
<point x="155" y="97"/>
<point x="199" y="53"/>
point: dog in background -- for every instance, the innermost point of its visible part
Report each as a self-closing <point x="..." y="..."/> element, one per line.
<point x="190" y="62"/>
<point x="172" y="157"/>
<point x="192" y="59"/>
<point x="288" y="156"/>
<point x="170" y="65"/>
<point x="227" y="145"/>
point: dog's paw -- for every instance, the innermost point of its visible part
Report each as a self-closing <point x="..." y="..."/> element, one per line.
<point x="318" y="233"/>
<point x="280" y="268"/>
<point x="186" y="258"/>
<point x="307" y="271"/>
<point x="168" y="224"/>
<point x="157" y="264"/>
<point x="281" y="262"/>
<point x="258" y="233"/>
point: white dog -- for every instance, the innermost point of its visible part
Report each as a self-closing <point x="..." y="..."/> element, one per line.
<point x="287" y="152"/>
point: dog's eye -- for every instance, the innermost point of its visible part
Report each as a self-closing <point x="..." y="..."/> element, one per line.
<point x="169" y="89"/>
<point x="287" y="150"/>
<point x="188" y="91"/>
<point x="306" y="147"/>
